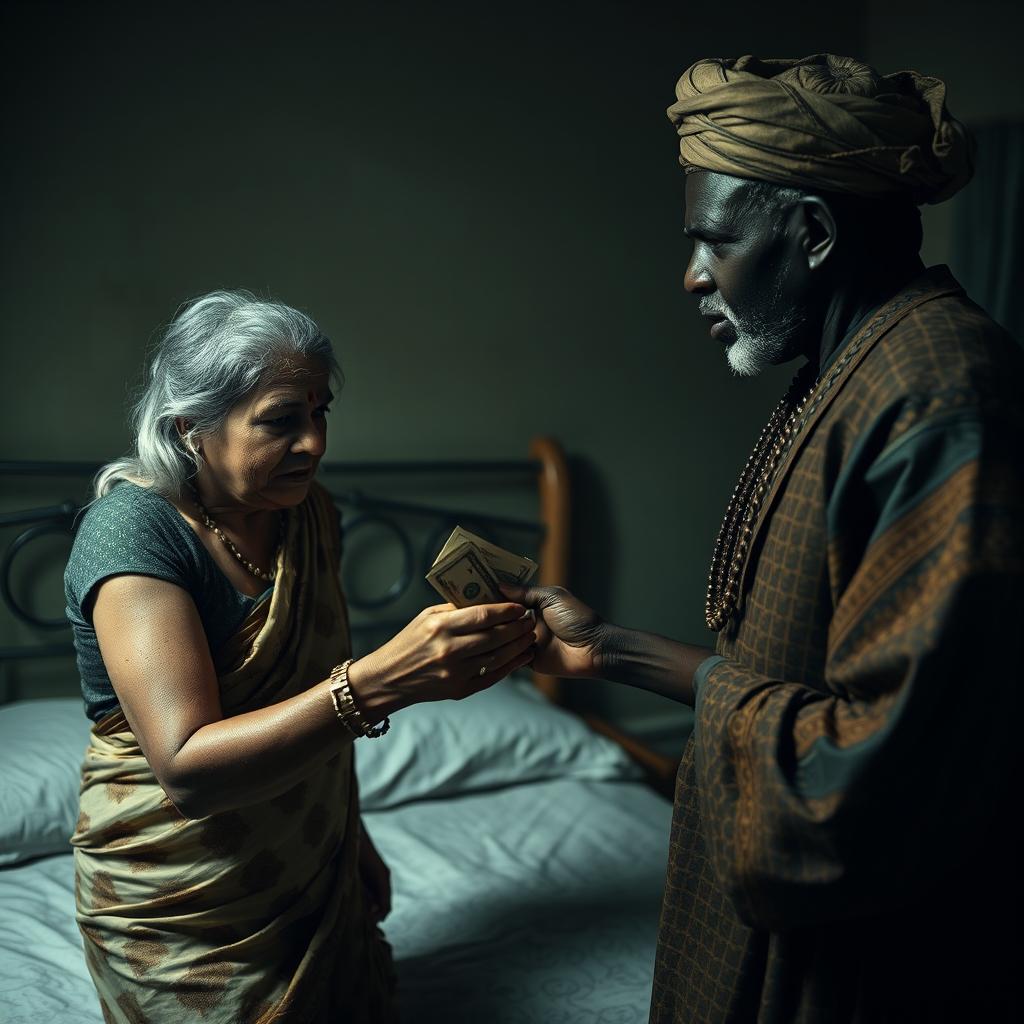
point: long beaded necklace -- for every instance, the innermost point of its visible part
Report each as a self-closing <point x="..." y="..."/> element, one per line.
<point x="268" y="575"/>
<point x="737" y="528"/>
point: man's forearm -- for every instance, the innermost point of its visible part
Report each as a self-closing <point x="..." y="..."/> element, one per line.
<point x="650" y="662"/>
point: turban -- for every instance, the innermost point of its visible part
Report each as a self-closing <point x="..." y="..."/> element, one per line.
<point x="822" y="123"/>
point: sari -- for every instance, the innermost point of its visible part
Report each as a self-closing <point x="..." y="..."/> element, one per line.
<point x="256" y="914"/>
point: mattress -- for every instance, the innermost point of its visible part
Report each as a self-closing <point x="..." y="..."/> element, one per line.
<point x="534" y="903"/>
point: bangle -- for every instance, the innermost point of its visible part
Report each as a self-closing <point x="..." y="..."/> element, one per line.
<point x="345" y="705"/>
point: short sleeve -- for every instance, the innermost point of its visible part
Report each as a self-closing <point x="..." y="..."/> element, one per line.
<point x="129" y="530"/>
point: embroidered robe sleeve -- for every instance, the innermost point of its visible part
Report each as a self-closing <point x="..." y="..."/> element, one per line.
<point x="843" y="801"/>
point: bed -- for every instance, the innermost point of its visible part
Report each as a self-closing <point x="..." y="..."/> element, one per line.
<point x="527" y="845"/>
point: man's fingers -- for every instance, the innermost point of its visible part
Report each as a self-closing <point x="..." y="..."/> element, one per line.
<point x="532" y="597"/>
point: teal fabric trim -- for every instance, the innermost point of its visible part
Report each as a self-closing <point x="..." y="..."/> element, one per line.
<point x="826" y="768"/>
<point x="906" y="472"/>
<point x="701" y="675"/>
<point x="920" y="462"/>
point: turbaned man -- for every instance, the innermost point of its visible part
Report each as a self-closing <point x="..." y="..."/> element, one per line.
<point x="843" y="839"/>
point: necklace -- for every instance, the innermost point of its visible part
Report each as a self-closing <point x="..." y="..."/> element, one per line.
<point x="268" y="575"/>
<point x="741" y="513"/>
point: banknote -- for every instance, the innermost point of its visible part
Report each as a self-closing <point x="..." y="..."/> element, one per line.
<point x="516" y="570"/>
<point x="463" y="578"/>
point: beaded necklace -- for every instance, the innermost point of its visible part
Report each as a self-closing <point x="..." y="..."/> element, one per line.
<point x="797" y="407"/>
<point x="741" y="513"/>
<point x="268" y="575"/>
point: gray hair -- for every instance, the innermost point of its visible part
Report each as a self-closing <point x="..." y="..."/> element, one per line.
<point x="212" y="354"/>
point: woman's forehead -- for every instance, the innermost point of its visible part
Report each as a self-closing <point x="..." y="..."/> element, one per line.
<point x="296" y="377"/>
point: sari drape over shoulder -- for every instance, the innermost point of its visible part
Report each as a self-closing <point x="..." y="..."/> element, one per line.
<point x="251" y="915"/>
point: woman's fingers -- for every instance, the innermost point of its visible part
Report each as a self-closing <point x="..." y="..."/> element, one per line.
<point x="494" y="673"/>
<point x="482" y="616"/>
<point x="472" y="644"/>
<point x="494" y="659"/>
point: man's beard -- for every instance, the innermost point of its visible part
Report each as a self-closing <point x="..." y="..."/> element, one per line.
<point x="766" y="338"/>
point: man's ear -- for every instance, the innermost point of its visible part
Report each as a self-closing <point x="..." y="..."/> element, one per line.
<point x="818" y="234"/>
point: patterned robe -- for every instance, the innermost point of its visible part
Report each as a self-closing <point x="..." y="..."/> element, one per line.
<point x="841" y="847"/>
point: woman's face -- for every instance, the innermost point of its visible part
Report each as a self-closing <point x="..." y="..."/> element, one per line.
<point x="268" y="450"/>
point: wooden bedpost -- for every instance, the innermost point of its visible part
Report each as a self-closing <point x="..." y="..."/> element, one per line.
<point x="553" y="488"/>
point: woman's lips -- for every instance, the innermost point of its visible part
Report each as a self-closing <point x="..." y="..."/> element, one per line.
<point x="297" y="475"/>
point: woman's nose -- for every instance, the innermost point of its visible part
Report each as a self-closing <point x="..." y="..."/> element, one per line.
<point x="312" y="441"/>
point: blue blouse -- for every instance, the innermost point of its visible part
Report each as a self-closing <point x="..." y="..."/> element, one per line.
<point x="135" y="530"/>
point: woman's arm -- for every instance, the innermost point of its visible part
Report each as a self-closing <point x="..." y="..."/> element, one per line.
<point x="158" y="659"/>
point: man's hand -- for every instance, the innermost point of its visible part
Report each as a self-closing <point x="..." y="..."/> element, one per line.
<point x="573" y="640"/>
<point x="569" y="633"/>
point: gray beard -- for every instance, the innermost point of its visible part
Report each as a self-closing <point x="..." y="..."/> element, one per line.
<point x="763" y="341"/>
<point x="765" y="338"/>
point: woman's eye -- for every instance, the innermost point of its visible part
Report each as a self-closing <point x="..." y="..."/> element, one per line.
<point x="282" y="421"/>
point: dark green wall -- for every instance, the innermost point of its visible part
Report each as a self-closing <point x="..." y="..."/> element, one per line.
<point x="481" y="205"/>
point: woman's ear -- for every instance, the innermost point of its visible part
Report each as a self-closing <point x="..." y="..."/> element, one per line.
<point x="183" y="426"/>
<point x="819" y="230"/>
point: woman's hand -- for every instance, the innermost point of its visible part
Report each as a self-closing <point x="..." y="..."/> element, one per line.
<point x="445" y="653"/>
<point x="376" y="878"/>
<point x="570" y="634"/>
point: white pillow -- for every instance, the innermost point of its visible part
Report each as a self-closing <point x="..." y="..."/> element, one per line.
<point x="504" y="736"/>
<point x="42" y="743"/>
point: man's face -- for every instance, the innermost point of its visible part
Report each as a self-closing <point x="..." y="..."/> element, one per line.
<point x="746" y="271"/>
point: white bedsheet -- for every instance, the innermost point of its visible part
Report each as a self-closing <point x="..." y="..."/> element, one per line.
<point x="533" y="904"/>
<point x="43" y="977"/>
<point x="537" y="903"/>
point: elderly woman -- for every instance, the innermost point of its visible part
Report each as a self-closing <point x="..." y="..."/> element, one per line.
<point x="222" y="872"/>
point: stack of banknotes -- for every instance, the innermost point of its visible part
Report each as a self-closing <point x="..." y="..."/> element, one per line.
<point x="469" y="569"/>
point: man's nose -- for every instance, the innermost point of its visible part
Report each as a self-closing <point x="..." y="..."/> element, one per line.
<point x="698" y="280"/>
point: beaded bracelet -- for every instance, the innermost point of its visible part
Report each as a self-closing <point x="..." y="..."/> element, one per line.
<point x="345" y="705"/>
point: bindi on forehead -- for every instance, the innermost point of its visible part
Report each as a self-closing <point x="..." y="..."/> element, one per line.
<point x="281" y="399"/>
